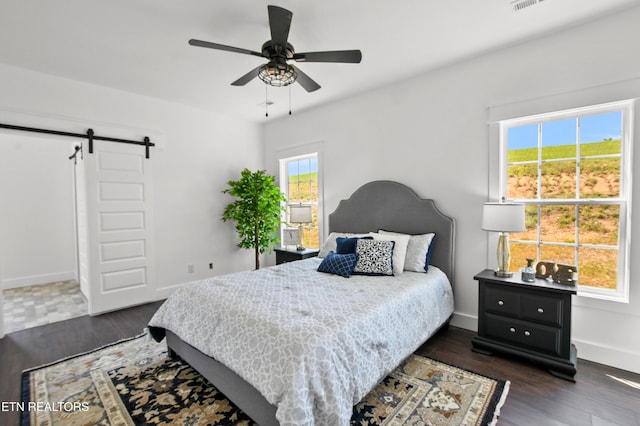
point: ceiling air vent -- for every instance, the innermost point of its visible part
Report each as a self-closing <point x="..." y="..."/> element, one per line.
<point x="518" y="5"/>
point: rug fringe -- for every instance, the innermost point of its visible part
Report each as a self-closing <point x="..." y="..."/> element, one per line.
<point x="503" y="399"/>
<point x="144" y="333"/>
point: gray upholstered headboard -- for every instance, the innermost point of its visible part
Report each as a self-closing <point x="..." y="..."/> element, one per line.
<point x="393" y="206"/>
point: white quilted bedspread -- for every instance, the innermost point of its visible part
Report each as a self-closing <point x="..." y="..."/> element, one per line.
<point x="312" y="343"/>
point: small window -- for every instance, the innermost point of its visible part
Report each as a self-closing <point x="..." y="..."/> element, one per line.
<point x="572" y="170"/>
<point x="299" y="182"/>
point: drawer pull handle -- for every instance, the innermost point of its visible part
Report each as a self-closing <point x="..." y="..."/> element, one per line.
<point x="527" y="333"/>
<point x="540" y="311"/>
<point x="500" y="302"/>
<point x="513" y="330"/>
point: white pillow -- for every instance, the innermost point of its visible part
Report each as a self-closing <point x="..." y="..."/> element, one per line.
<point x="417" y="249"/>
<point x="399" y="249"/>
<point x="330" y="244"/>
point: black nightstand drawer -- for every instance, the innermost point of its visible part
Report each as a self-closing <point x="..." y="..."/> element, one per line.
<point x="501" y="301"/>
<point x="525" y="334"/>
<point x="542" y="309"/>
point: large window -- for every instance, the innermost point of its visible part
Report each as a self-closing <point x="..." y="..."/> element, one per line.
<point x="572" y="170"/>
<point x="299" y="182"/>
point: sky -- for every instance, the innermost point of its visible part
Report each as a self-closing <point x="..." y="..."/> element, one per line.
<point x="593" y="128"/>
<point x="303" y="166"/>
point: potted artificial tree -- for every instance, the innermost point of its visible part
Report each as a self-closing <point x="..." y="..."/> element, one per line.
<point x="256" y="210"/>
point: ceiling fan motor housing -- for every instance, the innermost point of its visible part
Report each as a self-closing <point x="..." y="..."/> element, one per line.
<point x="272" y="50"/>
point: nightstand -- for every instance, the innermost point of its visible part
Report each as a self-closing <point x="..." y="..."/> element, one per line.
<point x="530" y="320"/>
<point x="285" y="255"/>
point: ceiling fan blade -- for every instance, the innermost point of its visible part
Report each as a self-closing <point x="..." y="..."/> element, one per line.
<point x="279" y="23"/>
<point x="208" y="44"/>
<point x="347" y="56"/>
<point x="247" y="77"/>
<point x="305" y="81"/>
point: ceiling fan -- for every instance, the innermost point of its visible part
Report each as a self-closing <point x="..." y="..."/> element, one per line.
<point x="278" y="72"/>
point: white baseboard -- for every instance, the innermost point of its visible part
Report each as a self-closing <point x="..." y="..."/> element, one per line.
<point x="606" y="355"/>
<point x="466" y="321"/>
<point x="164" y="292"/>
<point x="8" y="283"/>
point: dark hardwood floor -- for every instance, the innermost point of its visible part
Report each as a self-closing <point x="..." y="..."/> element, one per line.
<point x="535" y="396"/>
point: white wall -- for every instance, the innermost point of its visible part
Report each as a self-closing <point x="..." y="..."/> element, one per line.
<point x="199" y="152"/>
<point x="37" y="225"/>
<point x="431" y="133"/>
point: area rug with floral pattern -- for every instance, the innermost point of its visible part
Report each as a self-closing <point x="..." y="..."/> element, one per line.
<point x="134" y="382"/>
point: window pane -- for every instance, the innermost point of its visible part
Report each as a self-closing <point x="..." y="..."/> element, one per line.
<point x="601" y="127"/>
<point x="598" y="267"/>
<point x="522" y="181"/>
<point x="531" y="225"/>
<point x="600" y="178"/>
<point x="559" y="139"/>
<point x="599" y="224"/>
<point x="559" y="179"/>
<point x="522" y="143"/>
<point x="519" y="254"/>
<point x="557" y="224"/>
<point x="558" y="254"/>
<point x="294" y="192"/>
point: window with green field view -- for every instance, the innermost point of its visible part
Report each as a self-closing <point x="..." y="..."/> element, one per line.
<point x="571" y="170"/>
<point x="301" y="188"/>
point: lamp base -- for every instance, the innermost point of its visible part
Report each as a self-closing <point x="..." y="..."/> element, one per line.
<point x="503" y="274"/>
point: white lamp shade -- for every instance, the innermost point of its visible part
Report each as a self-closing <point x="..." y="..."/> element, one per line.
<point x="300" y="214"/>
<point x="503" y="217"/>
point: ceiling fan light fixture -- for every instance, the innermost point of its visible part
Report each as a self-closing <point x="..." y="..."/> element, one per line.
<point x="277" y="74"/>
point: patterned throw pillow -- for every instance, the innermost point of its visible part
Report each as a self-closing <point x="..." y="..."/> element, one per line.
<point x="339" y="264"/>
<point x="375" y="257"/>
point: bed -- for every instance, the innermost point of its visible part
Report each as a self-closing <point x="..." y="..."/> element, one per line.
<point x="293" y="346"/>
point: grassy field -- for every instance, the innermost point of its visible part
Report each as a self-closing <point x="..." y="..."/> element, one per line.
<point x="304" y="188"/>
<point x="598" y="223"/>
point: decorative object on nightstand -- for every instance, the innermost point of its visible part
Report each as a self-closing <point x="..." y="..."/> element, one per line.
<point x="290" y="237"/>
<point x="528" y="274"/>
<point x="557" y="272"/>
<point x="300" y="214"/>
<point x="284" y="255"/>
<point x="531" y="320"/>
<point x="503" y="218"/>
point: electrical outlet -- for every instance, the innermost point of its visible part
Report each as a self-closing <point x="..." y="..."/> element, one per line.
<point x="190" y="268"/>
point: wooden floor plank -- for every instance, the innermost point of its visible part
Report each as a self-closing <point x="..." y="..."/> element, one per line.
<point x="535" y="397"/>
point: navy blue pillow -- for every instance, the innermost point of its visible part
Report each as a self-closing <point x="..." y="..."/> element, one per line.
<point x="345" y="245"/>
<point x="428" y="259"/>
<point x="338" y="264"/>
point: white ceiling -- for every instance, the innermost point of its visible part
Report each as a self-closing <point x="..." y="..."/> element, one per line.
<point x="141" y="46"/>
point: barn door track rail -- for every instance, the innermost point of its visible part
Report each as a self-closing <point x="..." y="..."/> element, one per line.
<point x="90" y="136"/>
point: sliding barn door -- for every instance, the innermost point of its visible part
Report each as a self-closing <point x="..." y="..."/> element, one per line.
<point x="119" y="227"/>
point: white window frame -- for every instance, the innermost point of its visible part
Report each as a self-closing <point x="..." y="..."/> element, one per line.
<point x="284" y="187"/>
<point x="621" y="293"/>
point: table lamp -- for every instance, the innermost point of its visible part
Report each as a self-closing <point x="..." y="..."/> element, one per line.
<point x="300" y="214"/>
<point x="503" y="218"/>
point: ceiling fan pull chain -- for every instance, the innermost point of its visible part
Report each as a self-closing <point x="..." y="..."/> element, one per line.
<point x="266" y="101"/>
<point x="289" y="99"/>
